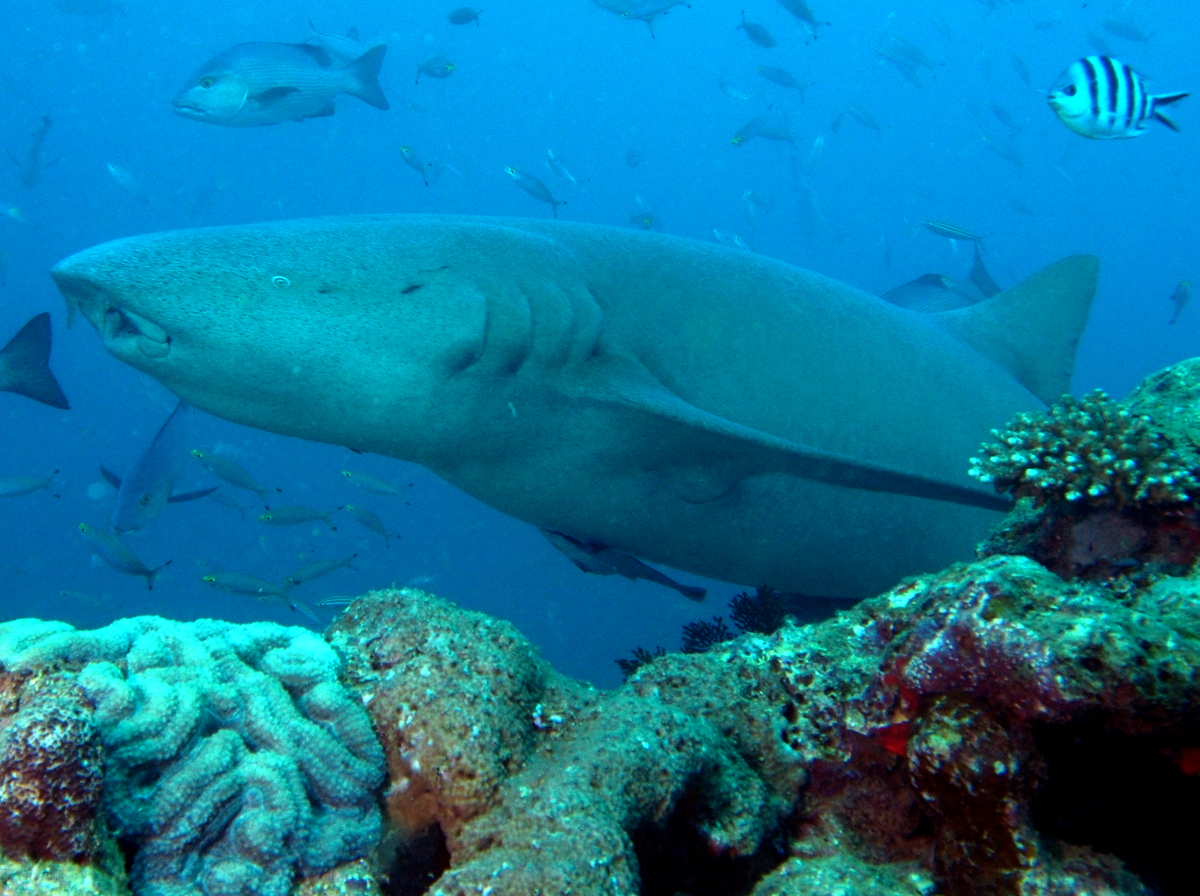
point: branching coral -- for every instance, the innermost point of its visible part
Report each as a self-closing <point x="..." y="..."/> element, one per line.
<point x="1090" y="450"/>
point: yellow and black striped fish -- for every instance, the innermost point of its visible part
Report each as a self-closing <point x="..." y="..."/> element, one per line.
<point x="1103" y="98"/>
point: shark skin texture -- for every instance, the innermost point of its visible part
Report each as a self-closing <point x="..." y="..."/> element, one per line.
<point x="716" y="411"/>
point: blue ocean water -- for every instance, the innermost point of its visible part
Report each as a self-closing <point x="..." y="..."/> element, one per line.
<point x="601" y="92"/>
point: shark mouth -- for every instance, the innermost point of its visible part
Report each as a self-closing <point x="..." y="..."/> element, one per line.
<point x="125" y="334"/>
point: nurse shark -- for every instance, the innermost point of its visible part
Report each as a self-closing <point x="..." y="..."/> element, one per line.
<point x="692" y="405"/>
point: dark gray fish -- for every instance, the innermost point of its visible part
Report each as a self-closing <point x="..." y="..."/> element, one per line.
<point x="32" y="166"/>
<point x="757" y="33"/>
<point x="534" y="187"/>
<point x="1004" y="149"/>
<point x="1021" y="69"/>
<point x="437" y="67"/>
<point x="780" y="76"/>
<point x="117" y="554"/>
<point x="980" y="277"/>
<point x="863" y="117"/>
<point x="266" y="83"/>
<point x="649" y="10"/>
<point x="25" y="364"/>
<point x="1125" y="30"/>
<point x="1179" y="298"/>
<point x="147" y="488"/>
<point x="762" y="126"/>
<point x="464" y="15"/>
<point x="804" y="15"/>
<point x="907" y="57"/>
<point x="934" y="293"/>
<point x="603" y="561"/>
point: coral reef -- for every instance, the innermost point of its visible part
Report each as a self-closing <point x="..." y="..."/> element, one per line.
<point x="1104" y="488"/>
<point x="922" y="742"/>
<point x="1092" y="450"/>
<point x="235" y="761"/>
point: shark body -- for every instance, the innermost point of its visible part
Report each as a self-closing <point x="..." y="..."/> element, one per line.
<point x="713" y="410"/>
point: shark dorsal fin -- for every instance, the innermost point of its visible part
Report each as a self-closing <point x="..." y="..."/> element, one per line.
<point x="1032" y="329"/>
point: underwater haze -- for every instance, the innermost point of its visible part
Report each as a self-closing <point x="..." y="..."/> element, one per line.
<point x="901" y="113"/>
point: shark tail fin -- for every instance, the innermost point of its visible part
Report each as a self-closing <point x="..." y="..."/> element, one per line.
<point x="25" y="364"/>
<point x="1032" y="330"/>
<point x="365" y="72"/>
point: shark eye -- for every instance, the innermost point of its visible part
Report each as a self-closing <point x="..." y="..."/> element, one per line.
<point x="207" y="82"/>
<point x="281" y="282"/>
<point x="1069" y="90"/>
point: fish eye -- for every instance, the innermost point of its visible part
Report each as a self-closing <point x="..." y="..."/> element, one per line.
<point x="1069" y="90"/>
<point x="207" y="82"/>
<point x="281" y="282"/>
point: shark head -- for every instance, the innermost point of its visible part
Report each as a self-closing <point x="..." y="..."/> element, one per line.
<point x="317" y="332"/>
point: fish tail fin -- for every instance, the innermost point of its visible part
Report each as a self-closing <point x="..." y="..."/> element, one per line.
<point x="153" y="574"/>
<point x="1166" y="99"/>
<point x="25" y="364"/>
<point x="365" y="72"/>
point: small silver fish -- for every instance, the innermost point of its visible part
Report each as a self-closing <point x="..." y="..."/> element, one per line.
<point x="554" y="163"/>
<point x="368" y="520"/>
<point x="372" y="484"/>
<point x="437" y="67"/>
<point x="266" y="83"/>
<point x="951" y="232"/>
<point x="1179" y="298"/>
<point x="296" y="515"/>
<point x="428" y="171"/>
<point x="24" y="485"/>
<point x="757" y="33"/>
<point x="233" y="473"/>
<point x="317" y="568"/>
<point x="534" y="187"/>
<point x="649" y="10"/>
<point x="116" y="554"/>
<point x="240" y="583"/>
<point x="127" y="182"/>
<point x="863" y="117"/>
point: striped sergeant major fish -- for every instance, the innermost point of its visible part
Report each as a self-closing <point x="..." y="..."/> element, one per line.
<point x="1103" y="98"/>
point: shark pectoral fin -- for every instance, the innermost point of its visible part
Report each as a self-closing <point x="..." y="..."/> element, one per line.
<point x="1032" y="329"/>
<point x="703" y="456"/>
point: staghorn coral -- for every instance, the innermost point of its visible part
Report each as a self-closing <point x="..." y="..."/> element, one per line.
<point x="1091" y="450"/>
<point x="236" y="762"/>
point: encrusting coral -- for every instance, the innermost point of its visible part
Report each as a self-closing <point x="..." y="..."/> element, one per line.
<point x="235" y="761"/>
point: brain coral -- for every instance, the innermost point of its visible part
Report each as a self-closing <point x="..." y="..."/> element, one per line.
<point x="235" y="760"/>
